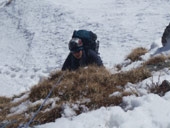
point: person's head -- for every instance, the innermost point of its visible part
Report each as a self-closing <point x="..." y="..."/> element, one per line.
<point x="76" y="47"/>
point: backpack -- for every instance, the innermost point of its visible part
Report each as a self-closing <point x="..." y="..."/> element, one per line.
<point x="88" y="38"/>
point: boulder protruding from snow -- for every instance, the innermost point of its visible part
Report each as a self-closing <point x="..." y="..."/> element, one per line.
<point x="166" y="36"/>
<point x="165" y="84"/>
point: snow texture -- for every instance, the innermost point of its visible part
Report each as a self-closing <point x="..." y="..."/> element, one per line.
<point x="34" y="38"/>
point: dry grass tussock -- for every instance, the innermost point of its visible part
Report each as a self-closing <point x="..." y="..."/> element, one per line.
<point x="6" y="104"/>
<point x="136" y="54"/>
<point x="87" y="88"/>
<point x="156" y="60"/>
<point x="4" y="100"/>
<point x="132" y="76"/>
<point x="90" y="83"/>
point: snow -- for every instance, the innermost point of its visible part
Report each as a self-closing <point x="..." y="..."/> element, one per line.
<point x="115" y="94"/>
<point x="19" y="109"/>
<point x="15" y="100"/>
<point x="35" y="34"/>
<point x="27" y="104"/>
<point x="68" y="111"/>
<point x="34" y="39"/>
<point x="142" y="112"/>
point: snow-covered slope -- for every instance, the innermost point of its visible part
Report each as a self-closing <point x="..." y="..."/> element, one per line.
<point x="35" y="34"/>
<point x="34" y="37"/>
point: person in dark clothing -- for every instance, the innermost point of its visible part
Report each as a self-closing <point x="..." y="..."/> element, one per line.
<point x="166" y="36"/>
<point x="79" y="57"/>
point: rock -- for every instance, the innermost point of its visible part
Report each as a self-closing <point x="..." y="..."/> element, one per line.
<point x="165" y="84"/>
<point x="164" y="87"/>
<point x="166" y="36"/>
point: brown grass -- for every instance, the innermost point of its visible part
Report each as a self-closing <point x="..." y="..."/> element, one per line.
<point x="94" y="83"/>
<point x="4" y="100"/>
<point x="132" y="76"/>
<point x="49" y="116"/>
<point x="5" y="110"/>
<point x="86" y="82"/>
<point x="136" y="54"/>
<point x="156" y="60"/>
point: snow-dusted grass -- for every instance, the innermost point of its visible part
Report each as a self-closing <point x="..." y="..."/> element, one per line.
<point x="4" y="99"/>
<point x="136" y="54"/>
<point x="148" y="111"/>
<point x="156" y="60"/>
<point x="35" y="34"/>
<point x="80" y="91"/>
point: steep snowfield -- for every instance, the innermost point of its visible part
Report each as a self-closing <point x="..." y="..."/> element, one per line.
<point x="34" y="37"/>
<point x="35" y="34"/>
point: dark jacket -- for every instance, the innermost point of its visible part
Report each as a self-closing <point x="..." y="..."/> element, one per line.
<point x="166" y="35"/>
<point x="89" y="57"/>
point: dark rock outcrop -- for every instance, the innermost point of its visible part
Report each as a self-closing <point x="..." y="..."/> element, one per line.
<point x="161" y="89"/>
<point x="164" y="87"/>
<point x="166" y="36"/>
